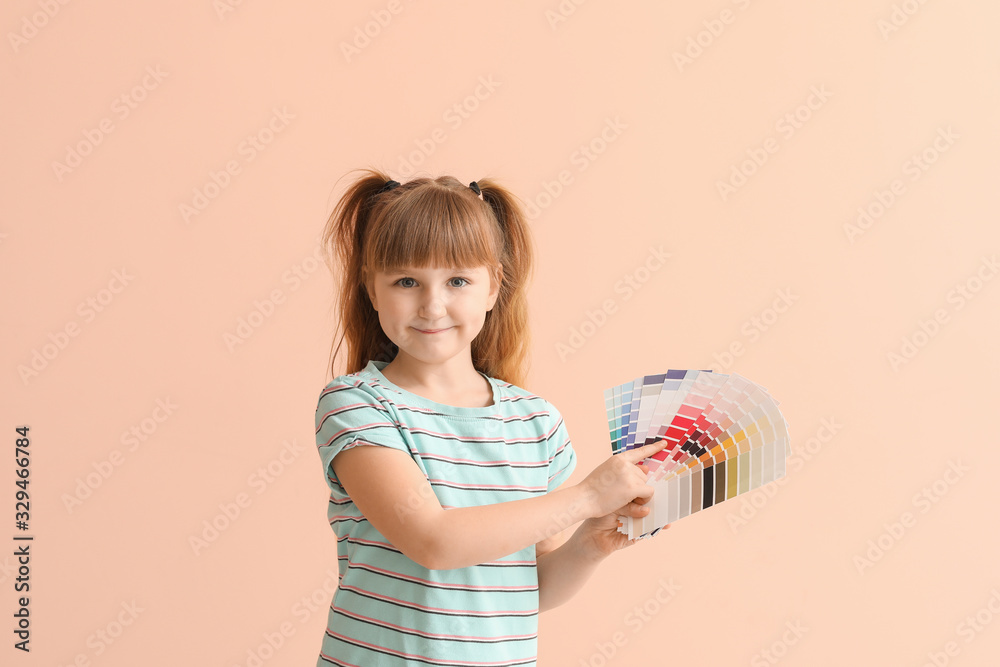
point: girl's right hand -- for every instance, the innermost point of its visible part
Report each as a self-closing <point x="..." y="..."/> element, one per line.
<point x="620" y="480"/>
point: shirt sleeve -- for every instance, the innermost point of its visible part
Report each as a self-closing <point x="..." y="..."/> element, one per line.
<point x="562" y="457"/>
<point x="348" y="416"/>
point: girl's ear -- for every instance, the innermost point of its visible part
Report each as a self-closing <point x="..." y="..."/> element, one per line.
<point x="371" y="294"/>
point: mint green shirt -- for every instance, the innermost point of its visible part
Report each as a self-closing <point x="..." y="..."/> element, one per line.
<point x="387" y="609"/>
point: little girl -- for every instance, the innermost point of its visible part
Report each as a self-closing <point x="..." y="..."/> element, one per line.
<point x="451" y="523"/>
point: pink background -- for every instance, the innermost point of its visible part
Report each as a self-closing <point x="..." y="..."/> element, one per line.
<point x="743" y="573"/>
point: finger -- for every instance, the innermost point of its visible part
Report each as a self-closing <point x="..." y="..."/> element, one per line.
<point x="634" y="509"/>
<point x="644" y="452"/>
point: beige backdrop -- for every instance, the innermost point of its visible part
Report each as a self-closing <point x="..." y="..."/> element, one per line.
<point x="801" y="193"/>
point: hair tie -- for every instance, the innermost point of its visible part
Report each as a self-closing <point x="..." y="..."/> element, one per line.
<point x="389" y="185"/>
<point x="475" y="188"/>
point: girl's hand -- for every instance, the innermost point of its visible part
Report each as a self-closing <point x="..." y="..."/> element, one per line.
<point x="600" y="534"/>
<point x="620" y="479"/>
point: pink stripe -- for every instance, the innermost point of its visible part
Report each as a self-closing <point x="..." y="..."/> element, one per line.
<point x="429" y="634"/>
<point x="517" y="487"/>
<point x="414" y="655"/>
<point x="360" y="540"/>
<point x="465" y="439"/>
<point x="440" y="584"/>
<point x="558" y="451"/>
<point x="353" y="428"/>
<point x="417" y="605"/>
<point x="442" y="457"/>
<point x="338" y="661"/>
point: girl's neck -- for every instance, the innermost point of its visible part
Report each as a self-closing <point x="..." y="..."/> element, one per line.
<point x="459" y="388"/>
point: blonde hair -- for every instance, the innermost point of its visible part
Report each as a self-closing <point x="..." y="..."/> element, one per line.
<point x="430" y="222"/>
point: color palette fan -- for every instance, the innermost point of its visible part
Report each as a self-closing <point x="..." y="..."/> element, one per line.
<point x="725" y="436"/>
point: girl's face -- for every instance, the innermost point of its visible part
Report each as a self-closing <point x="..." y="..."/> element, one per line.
<point x="433" y="314"/>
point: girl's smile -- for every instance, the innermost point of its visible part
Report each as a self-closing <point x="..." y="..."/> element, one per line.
<point x="433" y="315"/>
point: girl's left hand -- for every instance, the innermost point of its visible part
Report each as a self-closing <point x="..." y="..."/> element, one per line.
<point x="601" y="533"/>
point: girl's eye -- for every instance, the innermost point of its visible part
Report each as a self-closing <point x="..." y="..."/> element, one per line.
<point x="464" y="283"/>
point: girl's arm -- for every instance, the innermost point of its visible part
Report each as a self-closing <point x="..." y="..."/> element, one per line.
<point x="561" y="573"/>
<point x="395" y="496"/>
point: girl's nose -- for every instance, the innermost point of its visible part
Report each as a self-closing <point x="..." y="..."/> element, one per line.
<point x="432" y="305"/>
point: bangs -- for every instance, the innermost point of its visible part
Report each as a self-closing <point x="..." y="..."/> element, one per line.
<point x="433" y="227"/>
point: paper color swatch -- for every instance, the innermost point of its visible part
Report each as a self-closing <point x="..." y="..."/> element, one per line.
<point x="725" y="437"/>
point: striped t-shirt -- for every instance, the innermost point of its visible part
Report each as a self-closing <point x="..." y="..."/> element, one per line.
<point x="389" y="610"/>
